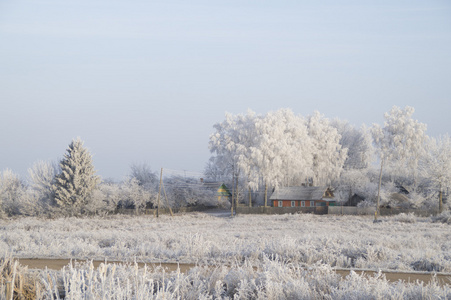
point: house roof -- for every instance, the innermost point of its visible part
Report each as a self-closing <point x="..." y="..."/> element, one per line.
<point x="219" y="187"/>
<point x="224" y="191"/>
<point x="300" y="193"/>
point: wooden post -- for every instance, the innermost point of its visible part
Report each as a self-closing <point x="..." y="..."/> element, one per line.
<point x="167" y="201"/>
<point x="159" y="193"/>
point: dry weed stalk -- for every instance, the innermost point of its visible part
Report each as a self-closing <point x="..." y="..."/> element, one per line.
<point x="22" y="282"/>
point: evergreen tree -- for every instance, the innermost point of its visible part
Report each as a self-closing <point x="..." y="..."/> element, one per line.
<point x="74" y="186"/>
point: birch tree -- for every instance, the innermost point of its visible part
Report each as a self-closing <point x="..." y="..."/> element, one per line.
<point x="358" y="141"/>
<point x="75" y="184"/>
<point x="328" y="155"/>
<point x="231" y="145"/>
<point x="400" y="143"/>
<point x="282" y="150"/>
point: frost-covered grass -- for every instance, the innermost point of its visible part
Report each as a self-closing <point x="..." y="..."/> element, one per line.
<point x="396" y="243"/>
<point x="271" y="279"/>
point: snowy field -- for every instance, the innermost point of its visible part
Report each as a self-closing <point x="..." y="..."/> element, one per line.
<point x="256" y="256"/>
<point x="397" y="243"/>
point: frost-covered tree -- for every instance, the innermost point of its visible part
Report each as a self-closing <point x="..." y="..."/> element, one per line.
<point x="134" y="196"/>
<point x="105" y="198"/>
<point x="215" y="172"/>
<point x="41" y="176"/>
<point x="11" y="192"/>
<point x="183" y="191"/>
<point x="144" y="175"/>
<point x="399" y="144"/>
<point x="280" y="152"/>
<point x="358" y="141"/>
<point x="231" y="145"/>
<point x="277" y="149"/>
<point x="355" y="176"/>
<point x="73" y="187"/>
<point x="328" y="155"/>
<point x="436" y="164"/>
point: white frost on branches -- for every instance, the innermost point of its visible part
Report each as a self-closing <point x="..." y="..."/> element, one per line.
<point x="436" y="163"/>
<point x="278" y="148"/>
<point x="400" y="142"/>
<point x="75" y="184"/>
<point x="328" y="154"/>
<point x="11" y="191"/>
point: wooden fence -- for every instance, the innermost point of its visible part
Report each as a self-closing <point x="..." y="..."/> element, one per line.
<point x="319" y="210"/>
<point x="333" y="210"/>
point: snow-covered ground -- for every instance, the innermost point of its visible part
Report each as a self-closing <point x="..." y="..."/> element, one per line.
<point x="396" y="243"/>
<point x="246" y="257"/>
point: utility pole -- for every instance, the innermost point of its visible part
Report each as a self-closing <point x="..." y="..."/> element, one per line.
<point x="159" y="193"/>
<point x="167" y="201"/>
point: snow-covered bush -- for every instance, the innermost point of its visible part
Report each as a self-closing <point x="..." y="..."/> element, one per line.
<point x="405" y="218"/>
<point x="133" y="195"/>
<point x="444" y="217"/>
<point x="11" y="193"/>
<point x="427" y="265"/>
<point x="41" y="178"/>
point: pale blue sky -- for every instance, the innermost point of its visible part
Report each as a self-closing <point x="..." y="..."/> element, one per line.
<point x="144" y="81"/>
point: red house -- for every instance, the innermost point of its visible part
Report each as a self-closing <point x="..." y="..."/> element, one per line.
<point x="303" y="196"/>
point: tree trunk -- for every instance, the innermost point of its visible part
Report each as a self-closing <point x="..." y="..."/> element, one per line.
<point x="236" y="192"/>
<point x="233" y="194"/>
<point x="266" y="194"/>
<point x="440" y="198"/>
<point x="159" y="192"/>
<point x="250" y="197"/>
<point x="379" y="189"/>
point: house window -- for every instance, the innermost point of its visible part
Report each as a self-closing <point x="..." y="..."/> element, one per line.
<point x="303" y="203"/>
<point x="320" y="204"/>
<point x="280" y="203"/>
<point x="293" y="203"/>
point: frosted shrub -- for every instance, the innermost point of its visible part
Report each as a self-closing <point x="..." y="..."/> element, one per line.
<point x="405" y="218"/>
<point x="444" y="217"/>
<point x="427" y="265"/>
